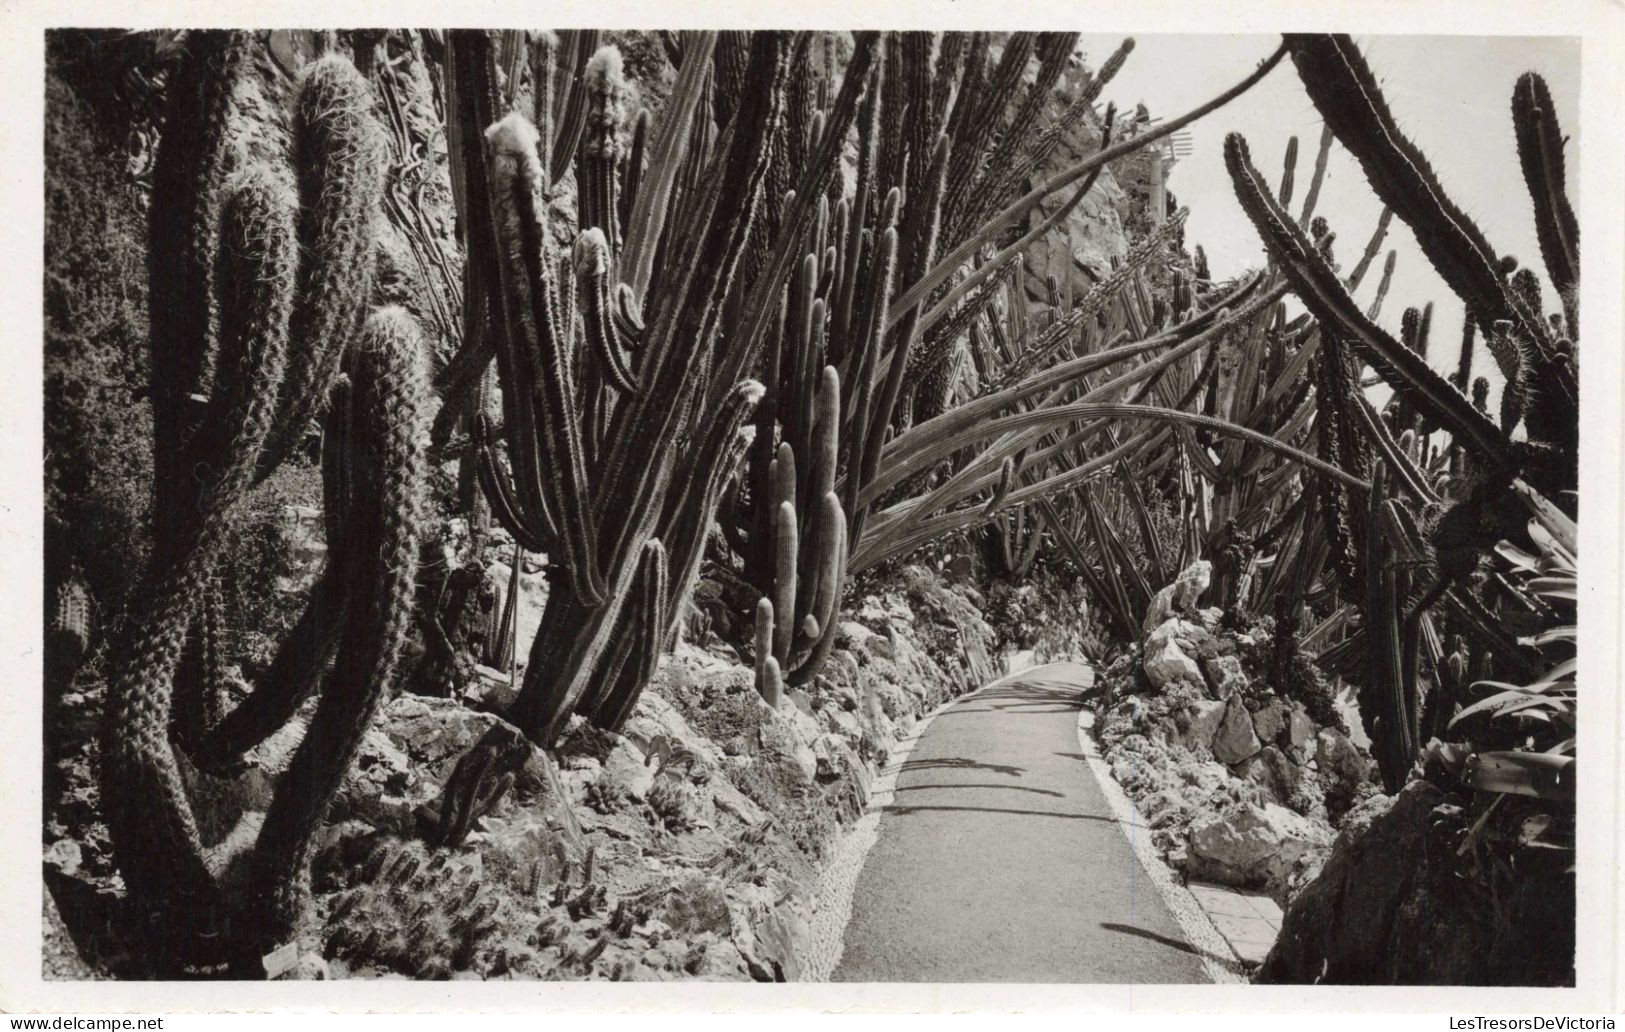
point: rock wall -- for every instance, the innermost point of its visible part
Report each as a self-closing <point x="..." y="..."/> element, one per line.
<point x="1241" y="784"/>
<point x="1400" y="902"/>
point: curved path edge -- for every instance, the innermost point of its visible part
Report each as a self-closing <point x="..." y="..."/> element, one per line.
<point x="1219" y="960"/>
<point x="832" y="908"/>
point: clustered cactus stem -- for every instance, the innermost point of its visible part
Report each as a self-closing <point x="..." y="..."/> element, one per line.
<point x="289" y="285"/>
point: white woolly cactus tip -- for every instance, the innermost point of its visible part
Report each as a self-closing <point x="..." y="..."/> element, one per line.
<point x="513" y="135"/>
<point x="752" y="390"/>
<point x="591" y="253"/>
<point x="605" y="70"/>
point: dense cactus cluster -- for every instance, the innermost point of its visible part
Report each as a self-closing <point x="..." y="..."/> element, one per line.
<point x="258" y="298"/>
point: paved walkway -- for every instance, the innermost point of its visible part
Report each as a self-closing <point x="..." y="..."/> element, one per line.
<point x="1000" y="860"/>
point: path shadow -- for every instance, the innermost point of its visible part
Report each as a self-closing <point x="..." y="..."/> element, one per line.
<point x="1037" y="696"/>
<point x="1011" y="788"/>
<point x="960" y="763"/>
<point x="906" y="809"/>
<point x="1172" y="943"/>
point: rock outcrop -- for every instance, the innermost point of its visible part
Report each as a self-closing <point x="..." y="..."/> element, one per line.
<point x="1238" y="782"/>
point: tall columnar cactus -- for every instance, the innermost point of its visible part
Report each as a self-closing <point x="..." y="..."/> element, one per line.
<point x="286" y="319"/>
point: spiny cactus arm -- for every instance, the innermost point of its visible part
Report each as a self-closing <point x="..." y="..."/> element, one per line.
<point x="923" y="445"/>
<point x="761" y="306"/>
<point x="380" y="565"/>
<point x="771" y="684"/>
<point x="985" y="113"/>
<point x="846" y="320"/>
<point x="191" y="166"/>
<point x="632" y="174"/>
<point x="1317" y="286"/>
<point x="604" y="82"/>
<point x="1540" y="151"/>
<point x="908" y="525"/>
<point x="831" y="556"/>
<point x="1283" y="196"/>
<point x="154" y="832"/>
<point x="1018" y="249"/>
<point x="576" y="48"/>
<point x="1007" y="480"/>
<point x="530" y="527"/>
<point x="1317" y="178"/>
<point x="1039" y="151"/>
<point x="947" y="264"/>
<point x="685" y="325"/>
<point x="918" y="248"/>
<point x="1053" y="50"/>
<point x="544" y="58"/>
<point x="867" y="356"/>
<point x="787" y="544"/>
<point x="545" y="440"/>
<point x="342" y="160"/>
<point x="1345" y="91"/>
<point x="646" y="645"/>
<point x="764" y="635"/>
<point x="597" y="313"/>
<point x="253" y="285"/>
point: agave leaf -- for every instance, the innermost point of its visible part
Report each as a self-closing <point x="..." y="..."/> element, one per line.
<point x="1568" y="633"/>
<point x="1541" y="775"/>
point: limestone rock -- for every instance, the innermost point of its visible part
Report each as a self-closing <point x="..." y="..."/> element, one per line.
<point x="1252" y="845"/>
<point x="1235" y="739"/>
<point x="1203" y="718"/>
<point x="625" y="767"/>
<point x="1270" y="720"/>
<point x="1225" y="675"/>
<point x="1180" y="596"/>
<point x="1339" y="757"/>
<point x="1300" y="735"/>
<point x="1168" y="653"/>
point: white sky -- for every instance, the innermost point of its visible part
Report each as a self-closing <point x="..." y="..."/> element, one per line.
<point x="1451" y="95"/>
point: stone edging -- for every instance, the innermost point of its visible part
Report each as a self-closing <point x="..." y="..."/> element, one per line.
<point x="1218" y="959"/>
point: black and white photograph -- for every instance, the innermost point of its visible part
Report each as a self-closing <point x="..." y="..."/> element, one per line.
<point x="908" y="505"/>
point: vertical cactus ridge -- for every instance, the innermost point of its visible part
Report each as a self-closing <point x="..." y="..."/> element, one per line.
<point x="1319" y="289"/>
<point x="548" y="435"/>
<point x="570" y="107"/>
<point x="1540" y="152"/>
<point x="604" y="81"/>
<point x="692" y="509"/>
<point x="283" y="298"/>
<point x="592" y="261"/>
<point x="254" y="288"/>
<point x="648" y="637"/>
<point x="787" y="546"/>
<point x="544" y="60"/>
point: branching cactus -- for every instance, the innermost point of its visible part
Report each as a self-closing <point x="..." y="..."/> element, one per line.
<point x="609" y="372"/>
<point x="287" y="322"/>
